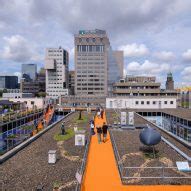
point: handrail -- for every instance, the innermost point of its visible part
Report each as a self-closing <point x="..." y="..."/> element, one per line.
<point x="81" y="171"/>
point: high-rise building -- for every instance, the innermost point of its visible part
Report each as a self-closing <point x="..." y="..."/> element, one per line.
<point x="71" y="84"/>
<point x="169" y="82"/>
<point x="29" y="71"/>
<point x="115" y="68"/>
<point x="36" y="86"/>
<point x="91" y="63"/>
<point x="8" y="82"/>
<point x="56" y="66"/>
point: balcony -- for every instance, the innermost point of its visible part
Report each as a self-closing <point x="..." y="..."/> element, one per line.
<point x="50" y="64"/>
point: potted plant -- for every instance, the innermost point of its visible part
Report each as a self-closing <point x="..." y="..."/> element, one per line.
<point x="56" y="186"/>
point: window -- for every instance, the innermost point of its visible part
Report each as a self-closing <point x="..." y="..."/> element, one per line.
<point x="154" y="102"/>
<point x="148" y="102"/>
<point x="32" y="102"/>
<point x="171" y="102"/>
<point x="87" y="39"/>
<point x="93" y="40"/>
<point x="80" y="40"/>
<point x="165" y="102"/>
<point x="137" y="102"/>
<point x="142" y="102"/>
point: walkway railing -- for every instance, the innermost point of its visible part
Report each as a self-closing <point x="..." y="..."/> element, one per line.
<point x="129" y="173"/>
<point x="82" y="168"/>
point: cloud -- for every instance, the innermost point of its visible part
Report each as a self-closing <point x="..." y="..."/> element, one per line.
<point x="17" y="49"/>
<point x="186" y="73"/>
<point x="134" y="50"/>
<point x="187" y="55"/>
<point x="164" y="56"/>
<point x="147" y="68"/>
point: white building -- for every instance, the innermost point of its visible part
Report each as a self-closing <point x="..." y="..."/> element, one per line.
<point x="31" y="103"/>
<point x="56" y="65"/>
<point x="141" y="102"/>
<point x="17" y="95"/>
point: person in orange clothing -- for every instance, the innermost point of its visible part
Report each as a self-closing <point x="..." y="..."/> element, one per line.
<point x="99" y="126"/>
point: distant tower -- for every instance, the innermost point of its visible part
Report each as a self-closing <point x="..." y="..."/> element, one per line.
<point x="169" y="82"/>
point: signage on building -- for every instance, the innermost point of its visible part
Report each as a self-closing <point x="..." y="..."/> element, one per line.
<point x="131" y="118"/>
<point x="123" y="118"/>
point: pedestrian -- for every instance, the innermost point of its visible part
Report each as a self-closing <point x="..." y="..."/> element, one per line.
<point x="99" y="132"/>
<point x="42" y="121"/>
<point x="92" y="127"/>
<point x="62" y="129"/>
<point x="104" y="131"/>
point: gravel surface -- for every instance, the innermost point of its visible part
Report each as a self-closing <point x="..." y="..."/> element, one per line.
<point x="134" y="154"/>
<point x="29" y="167"/>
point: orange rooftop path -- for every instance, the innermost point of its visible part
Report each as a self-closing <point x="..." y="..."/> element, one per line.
<point x="102" y="173"/>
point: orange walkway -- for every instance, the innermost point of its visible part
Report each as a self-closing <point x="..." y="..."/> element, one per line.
<point x="46" y="117"/>
<point x="102" y="173"/>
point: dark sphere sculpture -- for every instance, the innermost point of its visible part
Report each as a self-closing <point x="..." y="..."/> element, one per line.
<point x="150" y="137"/>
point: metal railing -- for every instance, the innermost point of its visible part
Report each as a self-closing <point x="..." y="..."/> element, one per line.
<point x="82" y="168"/>
<point x="128" y="173"/>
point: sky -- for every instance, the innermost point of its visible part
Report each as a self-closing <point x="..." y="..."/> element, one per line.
<point x="155" y="35"/>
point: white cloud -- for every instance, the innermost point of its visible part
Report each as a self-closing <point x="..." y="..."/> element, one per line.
<point x="134" y="50"/>
<point x="187" y="55"/>
<point x="147" y="68"/>
<point x="164" y="56"/>
<point x="186" y="73"/>
<point x="17" y="49"/>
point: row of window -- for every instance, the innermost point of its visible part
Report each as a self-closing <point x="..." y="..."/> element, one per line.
<point x="90" y="39"/>
<point x="90" y="48"/>
<point x="153" y="102"/>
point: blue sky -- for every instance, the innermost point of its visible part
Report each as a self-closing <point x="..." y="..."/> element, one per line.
<point x="154" y="34"/>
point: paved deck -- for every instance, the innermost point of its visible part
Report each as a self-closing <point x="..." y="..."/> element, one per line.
<point x="102" y="173"/>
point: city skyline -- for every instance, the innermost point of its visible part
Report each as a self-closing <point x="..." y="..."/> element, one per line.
<point x="153" y="34"/>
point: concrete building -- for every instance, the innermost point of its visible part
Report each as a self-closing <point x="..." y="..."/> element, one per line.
<point x="91" y="63"/>
<point x="169" y="82"/>
<point x="115" y="68"/>
<point x="17" y="95"/>
<point x="71" y="84"/>
<point x="185" y="97"/>
<point x="36" y="86"/>
<point x="31" y="103"/>
<point x="141" y="102"/>
<point x="8" y="82"/>
<point x="56" y="66"/>
<point x="140" y="86"/>
<point x="29" y="71"/>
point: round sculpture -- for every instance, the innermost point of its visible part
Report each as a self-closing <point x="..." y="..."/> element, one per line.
<point x="150" y="137"/>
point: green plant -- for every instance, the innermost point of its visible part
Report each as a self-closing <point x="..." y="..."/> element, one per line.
<point x="69" y="134"/>
<point x="56" y="184"/>
<point x="12" y="136"/>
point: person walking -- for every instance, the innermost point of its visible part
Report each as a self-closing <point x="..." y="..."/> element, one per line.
<point x="62" y="129"/>
<point x="99" y="132"/>
<point x="104" y="129"/>
<point x="92" y="127"/>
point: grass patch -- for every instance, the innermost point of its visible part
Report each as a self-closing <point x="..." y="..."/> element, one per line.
<point x="69" y="134"/>
<point x="81" y="121"/>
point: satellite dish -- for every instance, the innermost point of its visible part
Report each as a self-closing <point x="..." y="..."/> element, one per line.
<point x="150" y="137"/>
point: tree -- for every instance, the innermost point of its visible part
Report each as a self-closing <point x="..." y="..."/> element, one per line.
<point x="80" y="116"/>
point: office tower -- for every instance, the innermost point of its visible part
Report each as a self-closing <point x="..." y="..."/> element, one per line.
<point x="29" y="71"/>
<point x="169" y="82"/>
<point x="115" y="68"/>
<point x="8" y="82"/>
<point x="91" y="63"/>
<point x="71" y="80"/>
<point x="56" y="66"/>
<point x="35" y="87"/>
